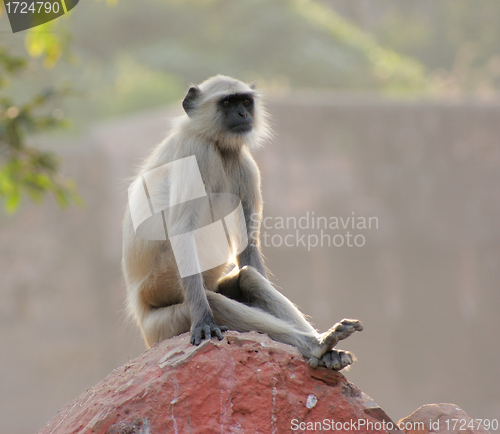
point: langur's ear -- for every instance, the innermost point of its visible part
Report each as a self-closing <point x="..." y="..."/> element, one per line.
<point x="253" y="85"/>
<point x="190" y="100"/>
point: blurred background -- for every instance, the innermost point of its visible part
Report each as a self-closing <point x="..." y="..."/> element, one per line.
<point x="383" y="109"/>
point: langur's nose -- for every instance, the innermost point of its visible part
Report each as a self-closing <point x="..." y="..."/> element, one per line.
<point x="242" y="112"/>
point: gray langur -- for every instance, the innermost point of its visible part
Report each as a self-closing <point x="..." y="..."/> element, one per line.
<point x="224" y="120"/>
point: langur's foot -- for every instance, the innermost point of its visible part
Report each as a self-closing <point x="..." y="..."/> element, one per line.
<point x="340" y="331"/>
<point x="334" y="359"/>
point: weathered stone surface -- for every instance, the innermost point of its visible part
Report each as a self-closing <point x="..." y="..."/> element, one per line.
<point x="246" y="383"/>
<point x="440" y="418"/>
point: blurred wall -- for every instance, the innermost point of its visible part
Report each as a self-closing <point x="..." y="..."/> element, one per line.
<point x="425" y="282"/>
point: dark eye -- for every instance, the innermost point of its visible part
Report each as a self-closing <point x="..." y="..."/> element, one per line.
<point x="247" y="102"/>
<point x="225" y="103"/>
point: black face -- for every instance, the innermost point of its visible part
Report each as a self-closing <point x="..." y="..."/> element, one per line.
<point x="238" y="110"/>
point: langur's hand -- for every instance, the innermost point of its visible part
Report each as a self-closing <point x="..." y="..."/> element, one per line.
<point x="205" y="329"/>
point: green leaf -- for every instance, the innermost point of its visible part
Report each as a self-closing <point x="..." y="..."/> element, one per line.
<point x="6" y="183"/>
<point x="12" y="202"/>
<point x="42" y="41"/>
<point x="62" y="197"/>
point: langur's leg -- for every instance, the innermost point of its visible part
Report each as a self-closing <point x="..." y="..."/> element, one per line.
<point x="243" y="318"/>
<point x="248" y="286"/>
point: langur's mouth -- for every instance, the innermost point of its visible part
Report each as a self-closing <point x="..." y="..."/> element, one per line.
<point x="242" y="128"/>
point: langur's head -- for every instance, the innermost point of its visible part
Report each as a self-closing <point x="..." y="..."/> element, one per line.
<point x="227" y="112"/>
